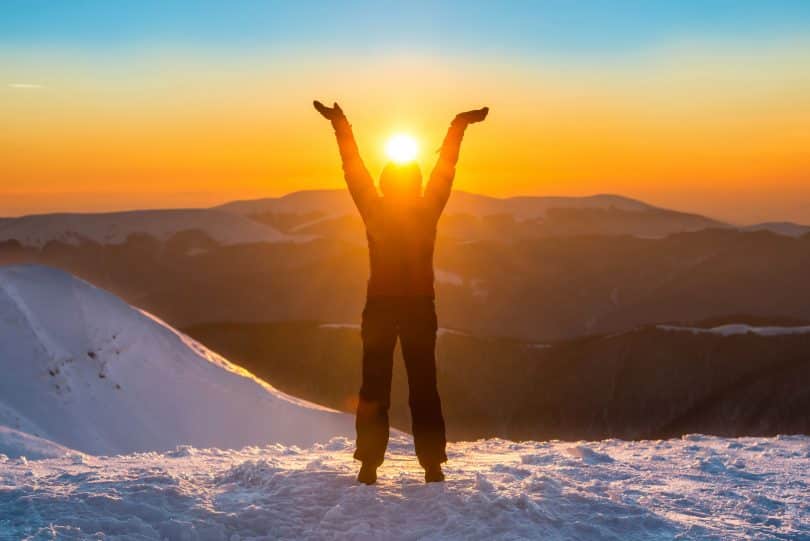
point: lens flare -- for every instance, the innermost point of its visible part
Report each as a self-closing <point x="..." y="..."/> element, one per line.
<point x="401" y="148"/>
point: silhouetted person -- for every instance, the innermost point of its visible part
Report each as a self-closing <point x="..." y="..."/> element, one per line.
<point x="401" y="232"/>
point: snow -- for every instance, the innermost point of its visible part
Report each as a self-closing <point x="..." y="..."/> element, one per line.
<point x="737" y="329"/>
<point x="448" y="277"/>
<point x="16" y="444"/>
<point x="352" y="326"/>
<point x="86" y="371"/>
<point x="441" y="331"/>
<point x="478" y="288"/>
<point x="697" y="487"/>
<point x="115" y="227"/>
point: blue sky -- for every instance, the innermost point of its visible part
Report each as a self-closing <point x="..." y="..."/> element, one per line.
<point x="525" y="27"/>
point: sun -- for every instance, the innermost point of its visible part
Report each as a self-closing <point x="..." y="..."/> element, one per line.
<point x="401" y="148"/>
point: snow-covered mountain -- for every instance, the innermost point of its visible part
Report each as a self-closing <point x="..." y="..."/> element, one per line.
<point x="85" y="370"/>
<point x="116" y="227"/>
<point x="473" y="217"/>
<point x="338" y="202"/>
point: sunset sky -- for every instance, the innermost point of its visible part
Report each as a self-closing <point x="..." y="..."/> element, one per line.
<point x="696" y="105"/>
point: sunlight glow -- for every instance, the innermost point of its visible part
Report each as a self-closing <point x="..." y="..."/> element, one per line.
<point x="401" y="148"/>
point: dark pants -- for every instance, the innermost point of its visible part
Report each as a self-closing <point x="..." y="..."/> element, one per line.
<point x="413" y="320"/>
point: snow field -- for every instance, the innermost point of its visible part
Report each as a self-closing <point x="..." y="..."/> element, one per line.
<point x="698" y="487"/>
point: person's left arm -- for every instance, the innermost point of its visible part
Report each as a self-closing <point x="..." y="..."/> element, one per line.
<point x="440" y="184"/>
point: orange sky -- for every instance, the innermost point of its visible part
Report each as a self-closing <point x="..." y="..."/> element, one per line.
<point x="724" y="133"/>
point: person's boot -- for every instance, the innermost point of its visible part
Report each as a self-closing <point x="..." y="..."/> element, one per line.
<point x="434" y="474"/>
<point x="368" y="474"/>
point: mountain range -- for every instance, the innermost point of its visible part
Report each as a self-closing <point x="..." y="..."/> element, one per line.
<point x="548" y="269"/>
<point x="302" y="216"/>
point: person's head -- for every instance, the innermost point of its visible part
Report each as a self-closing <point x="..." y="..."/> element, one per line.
<point x="401" y="181"/>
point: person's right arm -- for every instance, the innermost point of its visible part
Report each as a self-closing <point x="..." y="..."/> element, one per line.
<point x="358" y="179"/>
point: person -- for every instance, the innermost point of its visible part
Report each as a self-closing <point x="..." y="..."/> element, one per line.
<point x="401" y="232"/>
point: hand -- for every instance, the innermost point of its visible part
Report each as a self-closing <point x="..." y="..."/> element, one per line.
<point x="471" y="117"/>
<point x="330" y="113"/>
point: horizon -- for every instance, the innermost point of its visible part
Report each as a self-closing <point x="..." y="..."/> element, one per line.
<point x="221" y="203"/>
<point x="699" y="107"/>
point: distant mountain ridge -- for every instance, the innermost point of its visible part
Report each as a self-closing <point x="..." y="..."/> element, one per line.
<point x="115" y="227"/>
<point x="337" y="202"/>
<point x="304" y="215"/>
<point x="473" y="217"/>
<point x="788" y="229"/>
<point x="316" y="207"/>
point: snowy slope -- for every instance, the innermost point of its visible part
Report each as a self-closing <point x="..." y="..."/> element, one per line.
<point x="87" y="371"/>
<point x="692" y="488"/>
<point x="15" y="444"/>
<point x="115" y="227"/>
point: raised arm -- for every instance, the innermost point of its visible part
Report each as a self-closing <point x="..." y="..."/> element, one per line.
<point x="358" y="179"/>
<point x="437" y="191"/>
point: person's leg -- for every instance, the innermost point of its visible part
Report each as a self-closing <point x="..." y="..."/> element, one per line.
<point x="418" y="338"/>
<point x="379" y="333"/>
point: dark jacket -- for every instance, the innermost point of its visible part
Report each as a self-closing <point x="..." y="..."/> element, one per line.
<point x="400" y="240"/>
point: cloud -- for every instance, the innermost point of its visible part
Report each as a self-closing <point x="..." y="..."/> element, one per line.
<point x="24" y="85"/>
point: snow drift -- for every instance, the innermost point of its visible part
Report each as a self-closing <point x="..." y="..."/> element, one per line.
<point x="89" y="372"/>
<point x="115" y="227"/>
